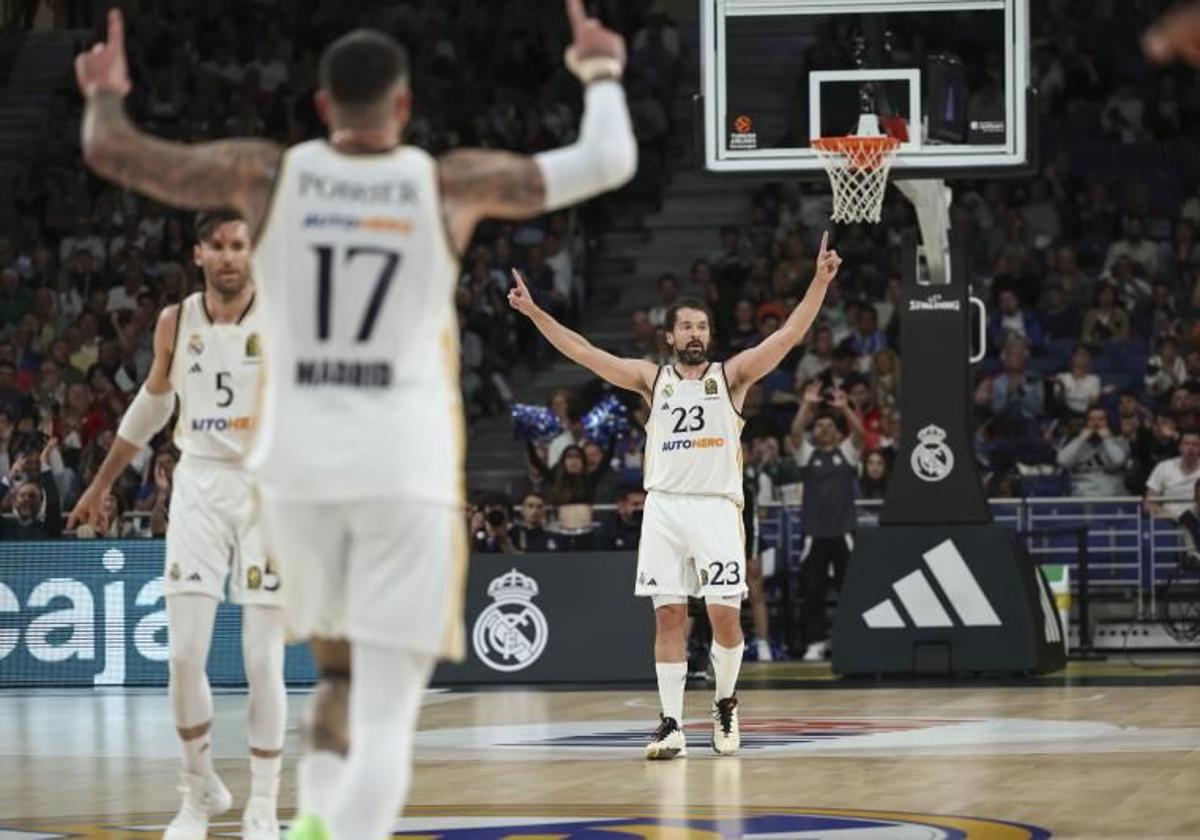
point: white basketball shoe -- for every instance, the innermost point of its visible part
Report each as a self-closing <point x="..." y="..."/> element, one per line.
<point x="259" y="821"/>
<point x="667" y="741"/>
<point x="203" y="798"/>
<point x="727" y="734"/>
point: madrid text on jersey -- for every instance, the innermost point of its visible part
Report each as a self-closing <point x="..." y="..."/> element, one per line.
<point x="325" y="188"/>
<point x="315" y="373"/>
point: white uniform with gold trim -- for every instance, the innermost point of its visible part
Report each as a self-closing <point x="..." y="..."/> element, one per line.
<point x="360" y="450"/>
<point x="692" y="542"/>
<point x="213" y="531"/>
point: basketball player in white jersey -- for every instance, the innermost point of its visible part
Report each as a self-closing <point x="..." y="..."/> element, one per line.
<point x="207" y="353"/>
<point x="692" y="542"/>
<point x="360" y="447"/>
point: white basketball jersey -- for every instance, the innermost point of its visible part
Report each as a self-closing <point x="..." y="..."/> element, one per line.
<point x="693" y="437"/>
<point x="215" y="371"/>
<point x="356" y="278"/>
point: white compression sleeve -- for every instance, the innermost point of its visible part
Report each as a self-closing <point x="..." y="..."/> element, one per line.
<point x="146" y="415"/>
<point x="603" y="158"/>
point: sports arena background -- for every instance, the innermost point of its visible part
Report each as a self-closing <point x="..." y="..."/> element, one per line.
<point x="1091" y="270"/>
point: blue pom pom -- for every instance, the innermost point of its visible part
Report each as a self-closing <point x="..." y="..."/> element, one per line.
<point x="534" y="422"/>
<point x="607" y="421"/>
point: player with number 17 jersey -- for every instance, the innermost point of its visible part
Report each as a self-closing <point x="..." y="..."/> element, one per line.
<point x="362" y="400"/>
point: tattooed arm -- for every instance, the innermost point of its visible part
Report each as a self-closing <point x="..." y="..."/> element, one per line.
<point x="239" y="174"/>
<point x="477" y="184"/>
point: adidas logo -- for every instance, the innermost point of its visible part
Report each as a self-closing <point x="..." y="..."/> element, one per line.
<point x="194" y="576"/>
<point x="195" y="368"/>
<point x="916" y="592"/>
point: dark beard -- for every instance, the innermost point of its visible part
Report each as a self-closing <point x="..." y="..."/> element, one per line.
<point x="693" y="356"/>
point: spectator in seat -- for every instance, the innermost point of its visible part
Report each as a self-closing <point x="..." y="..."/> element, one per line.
<point x="641" y="343"/>
<point x="1078" y="387"/>
<point x="1011" y="319"/>
<point x="598" y="465"/>
<point x="571" y="435"/>
<point x="818" y="355"/>
<point x="1170" y="487"/>
<point x="531" y="534"/>
<point x="873" y="484"/>
<point x="1106" y="320"/>
<point x="623" y="531"/>
<point x="867" y="339"/>
<point x="1016" y="392"/>
<point x="1060" y="320"/>
<point x="1166" y="369"/>
<point x="1158" y="315"/>
<point x="668" y="291"/>
<point x="744" y="332"/>
<point x="111" y="525"/>
<point x="1134" y="245"/>
<point x="494" y="535"/>
<point x="36" y="506"/>
<point x="1096" y="458"/>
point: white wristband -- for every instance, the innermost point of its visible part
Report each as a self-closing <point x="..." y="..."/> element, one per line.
<point x="146" y="415"/>
<point x="603" y="158"/>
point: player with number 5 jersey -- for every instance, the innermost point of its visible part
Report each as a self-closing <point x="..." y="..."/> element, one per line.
<point x="692" y="543"/>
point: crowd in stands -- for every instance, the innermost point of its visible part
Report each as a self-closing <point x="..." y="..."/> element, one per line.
<point x="85" y="268"/>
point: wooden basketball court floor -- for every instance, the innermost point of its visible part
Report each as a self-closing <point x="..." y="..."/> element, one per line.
<point x="1103" y="750"/>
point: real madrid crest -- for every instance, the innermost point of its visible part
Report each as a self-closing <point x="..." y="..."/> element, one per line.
<point x="932" y="459"/>
<point x="710" y="387"/>
<point x="668" y="390"/>
<point x="252" y="346"/>
<point x="511" y="634"/>
<point x="253" y="578"/>
<point x="176" y="573"/>
<point x="195" y="345"/>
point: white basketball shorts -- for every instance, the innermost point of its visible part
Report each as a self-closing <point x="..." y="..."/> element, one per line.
<point x="383" y="571"/>
<point x="213" y="536"/>
<point x="691" y="546"/>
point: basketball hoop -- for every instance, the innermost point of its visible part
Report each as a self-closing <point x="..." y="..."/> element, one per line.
<point x="858" y="167"/>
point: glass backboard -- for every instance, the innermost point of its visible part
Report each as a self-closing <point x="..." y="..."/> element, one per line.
<point x="949" y="78"/>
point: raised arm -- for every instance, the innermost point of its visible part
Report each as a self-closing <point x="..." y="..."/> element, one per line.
<point x="752" y="364"/>
<point x="631" y="374"/>
<point x="239" y="174"/>
<point x="477" y="184"/>
<point x="149" y="412"/>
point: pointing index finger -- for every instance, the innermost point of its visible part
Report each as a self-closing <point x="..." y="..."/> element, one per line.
<point x="116" y="29"/>
<point x="577" y="15"/>
<point x="824" y="243"/>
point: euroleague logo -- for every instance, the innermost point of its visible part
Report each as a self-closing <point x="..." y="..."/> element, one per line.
<point x="743" y="124"/>
<point x="511" y="633"/>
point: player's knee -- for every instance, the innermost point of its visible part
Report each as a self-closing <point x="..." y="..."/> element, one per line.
<point x="669" y="619"/>
<point x="329" y="716"/>
<point x="263" y="666"/>
<point x="186" y="662"/>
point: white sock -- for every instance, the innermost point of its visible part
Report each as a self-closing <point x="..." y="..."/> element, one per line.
<point x="726" y="664"/>
<point x="385" y="698"/>
<point x="672" y="678"/>
<point x="264" y="777"/>
<point x="320" y="774"/>
<point x="189" y="629"/>
<point x="262" y="652"/>
<point x="764" y="650"/>
<point x="197" y="755"/>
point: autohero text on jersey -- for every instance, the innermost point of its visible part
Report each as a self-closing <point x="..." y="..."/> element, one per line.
<point x="325" y="188"/>
<point x="315" y="373"/>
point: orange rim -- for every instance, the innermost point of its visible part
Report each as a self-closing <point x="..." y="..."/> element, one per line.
<point x="860" y="152"/>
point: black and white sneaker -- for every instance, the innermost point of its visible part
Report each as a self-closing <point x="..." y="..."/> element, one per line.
<point x="727" y="736"/>
<point x="667" y="741"/>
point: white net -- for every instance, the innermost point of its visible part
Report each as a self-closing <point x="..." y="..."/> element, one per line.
<point x="858" y="172"/>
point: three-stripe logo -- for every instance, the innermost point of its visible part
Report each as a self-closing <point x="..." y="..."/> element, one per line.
<point x="916" y="593"/>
